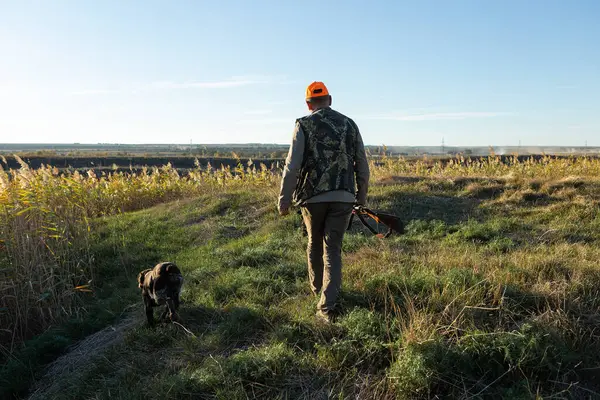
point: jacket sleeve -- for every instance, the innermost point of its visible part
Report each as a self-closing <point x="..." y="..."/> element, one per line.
<point x="361" y="168"/>
<point x="293" y="163"/>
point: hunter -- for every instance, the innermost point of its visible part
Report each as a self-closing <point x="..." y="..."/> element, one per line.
<point x="326" y="173"/>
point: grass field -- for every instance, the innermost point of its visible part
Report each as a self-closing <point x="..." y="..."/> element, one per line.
<point x="493" y="292"/>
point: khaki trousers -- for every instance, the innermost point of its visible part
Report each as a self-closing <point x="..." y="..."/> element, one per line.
<point x="326" y="224"/>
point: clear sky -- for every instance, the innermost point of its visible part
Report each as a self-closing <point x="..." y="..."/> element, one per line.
<point x="408" y="72"/>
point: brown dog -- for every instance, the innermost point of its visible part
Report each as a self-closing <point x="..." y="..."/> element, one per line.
<point x="161" y="285"/>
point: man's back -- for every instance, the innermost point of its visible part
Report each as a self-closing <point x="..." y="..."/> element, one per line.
<point x="329" y="154"/>
<point x="303" y="156"/>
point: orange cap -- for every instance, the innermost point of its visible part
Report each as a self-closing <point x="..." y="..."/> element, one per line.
<point x="316" y="89"/>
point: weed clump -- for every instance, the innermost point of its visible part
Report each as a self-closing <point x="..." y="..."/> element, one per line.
<point x="267" y="372"/>
<point x="488" y="364"/>
<point x="365" y="343"/>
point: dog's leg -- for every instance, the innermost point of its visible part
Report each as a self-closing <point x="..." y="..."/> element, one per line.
<point x="172" y="309"/>
<point x="164" y="313"/>
<point x="176" y="302"/>
<point x="149" y="310"/>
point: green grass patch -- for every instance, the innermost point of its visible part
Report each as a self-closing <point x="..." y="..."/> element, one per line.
<point x="491" y="293"/>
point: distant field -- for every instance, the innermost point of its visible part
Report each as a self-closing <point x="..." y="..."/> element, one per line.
<point x="493" y="292"/>
<point x="183" y="163"/>
<point x="264" y="150"/>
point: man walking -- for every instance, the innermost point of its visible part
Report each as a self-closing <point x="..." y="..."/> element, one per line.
<point x="326" y="172"/>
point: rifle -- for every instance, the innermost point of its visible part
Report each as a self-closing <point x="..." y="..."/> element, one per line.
<point x="392" y="222"/>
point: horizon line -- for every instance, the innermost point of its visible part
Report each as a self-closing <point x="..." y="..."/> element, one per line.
<point x="446" y="146"/>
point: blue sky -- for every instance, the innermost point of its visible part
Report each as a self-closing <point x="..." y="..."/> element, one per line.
<point x="409" y="73"/>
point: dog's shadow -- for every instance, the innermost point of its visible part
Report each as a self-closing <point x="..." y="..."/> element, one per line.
<point x="227" y="327"/>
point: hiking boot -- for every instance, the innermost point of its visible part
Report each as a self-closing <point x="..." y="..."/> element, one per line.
<point x="324" y="317"/>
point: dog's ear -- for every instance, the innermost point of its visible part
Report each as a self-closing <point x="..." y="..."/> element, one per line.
<point x="141" y="277"/>
<point x="172" y="269"/>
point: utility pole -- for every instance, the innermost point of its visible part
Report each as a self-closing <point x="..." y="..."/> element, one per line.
<point x="443" y="146"/>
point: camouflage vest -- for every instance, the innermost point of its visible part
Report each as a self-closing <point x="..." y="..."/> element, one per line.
<point x="330" y="146"/>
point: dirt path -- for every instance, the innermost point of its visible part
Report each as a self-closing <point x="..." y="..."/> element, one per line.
<point x="78" y="356"/>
